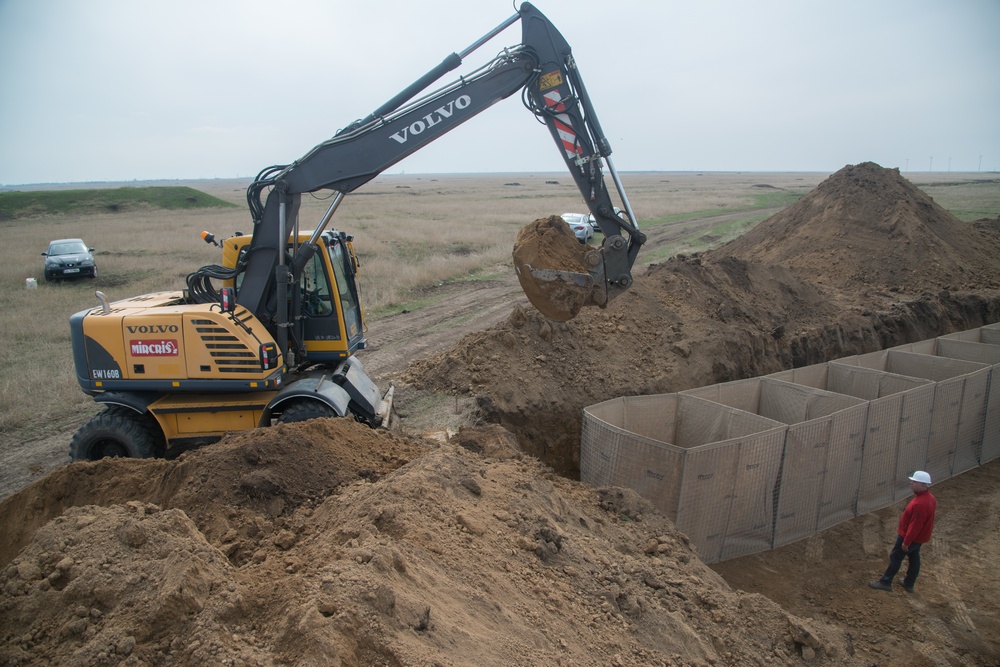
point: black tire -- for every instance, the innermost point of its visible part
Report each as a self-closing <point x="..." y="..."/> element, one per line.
<point x="117" y="432"/>
<point x="300" y="411"/>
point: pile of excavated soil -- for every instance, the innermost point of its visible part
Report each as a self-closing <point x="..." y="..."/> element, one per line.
<point x="326" y="543"/>
<point x="863" y="262"/>
<point x="867" y="226"/>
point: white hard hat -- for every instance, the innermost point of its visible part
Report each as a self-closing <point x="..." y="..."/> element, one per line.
<point x="921" y="476"/>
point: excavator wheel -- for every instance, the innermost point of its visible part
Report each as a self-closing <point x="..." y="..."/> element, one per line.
<point x="117" y="432"/>
<point x="300" y="411"/>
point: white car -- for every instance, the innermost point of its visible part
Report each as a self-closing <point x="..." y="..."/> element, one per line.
<point x="580" y="224"/>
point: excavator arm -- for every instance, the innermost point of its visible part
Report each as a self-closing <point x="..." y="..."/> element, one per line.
<point x="541" y="67"/>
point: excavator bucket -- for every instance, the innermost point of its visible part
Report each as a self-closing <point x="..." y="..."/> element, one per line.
<point x="557" y="273"/>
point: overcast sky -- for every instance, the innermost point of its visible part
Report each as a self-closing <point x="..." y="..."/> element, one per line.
<point x="119" y="90"/>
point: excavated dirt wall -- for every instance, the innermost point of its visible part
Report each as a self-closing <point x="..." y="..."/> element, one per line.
<point x="864" y="262"/>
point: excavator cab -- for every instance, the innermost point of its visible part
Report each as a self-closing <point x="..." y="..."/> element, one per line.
<point x="330" y="325"/>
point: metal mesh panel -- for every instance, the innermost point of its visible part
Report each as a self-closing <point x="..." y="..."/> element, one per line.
<point x="990" y="335"/>
<point x="750" y="528"/>
<point x="739" y="394"/>
<point x="842" y="474"/>
<point x="925" y="366"/>
<point x="944" y="428"/>
<point x="858" y="382"/>
<point x="878" y="464"/>
<point x="981" y="345"/>
<point x="991" y="429"/>
<point x="810" y="451"/>
<point x="968" y="351"/>
<point x="810" y="376"/>
<point x="600" y="442"/>
<point x="700" y="422"/>
<point x="744" y="466"/>
<point x="979" y="431"/>
<point x="653" y="470"/>
<point x="914" y="433"/>
<point x="969" y="440"/>
<point x="706" y="496"/>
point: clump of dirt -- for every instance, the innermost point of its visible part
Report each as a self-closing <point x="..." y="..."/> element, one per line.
<point x="864" y="262"/>
<point x="550" y="264"/>
<point x="453" y="557"/>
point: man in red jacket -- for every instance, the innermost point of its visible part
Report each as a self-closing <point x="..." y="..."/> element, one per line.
<point x="915" y="528"/>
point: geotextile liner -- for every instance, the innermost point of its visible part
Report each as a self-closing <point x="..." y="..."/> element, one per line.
<point x="750" y="465"/>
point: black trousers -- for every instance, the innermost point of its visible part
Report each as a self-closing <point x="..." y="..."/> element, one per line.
<point x="896" y="557"/>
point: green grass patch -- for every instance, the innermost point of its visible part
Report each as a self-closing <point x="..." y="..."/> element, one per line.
<point x="416" y="303"/>
<point x="704" y="240"/>
<point x="428" y="296"/>
<point x="15" y="205"/>
<point x="763" y="200"/>
<point x="973" y="214"/>
<point x="778" y="198"/>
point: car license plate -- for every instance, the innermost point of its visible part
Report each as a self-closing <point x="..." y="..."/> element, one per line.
<point x="72" y="271"/>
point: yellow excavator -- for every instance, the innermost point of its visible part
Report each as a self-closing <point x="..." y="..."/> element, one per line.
<point x="270" y="334"/>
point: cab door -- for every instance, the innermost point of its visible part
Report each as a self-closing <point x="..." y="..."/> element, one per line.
<point x="333" y="327"/>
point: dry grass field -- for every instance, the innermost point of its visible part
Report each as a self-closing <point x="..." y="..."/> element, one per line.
<point x="411" y="232"/>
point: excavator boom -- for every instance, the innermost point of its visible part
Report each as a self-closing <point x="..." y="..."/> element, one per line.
<point x="276" y="342"/>
<point x="541" y="67"/>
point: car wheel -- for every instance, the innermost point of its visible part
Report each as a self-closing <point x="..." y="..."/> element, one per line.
<point x="94" y="274"/>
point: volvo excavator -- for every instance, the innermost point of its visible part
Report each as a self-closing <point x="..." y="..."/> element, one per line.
<point x="270" y="334"/>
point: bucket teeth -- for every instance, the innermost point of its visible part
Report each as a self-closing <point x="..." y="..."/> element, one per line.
<point x="552" y="275"/>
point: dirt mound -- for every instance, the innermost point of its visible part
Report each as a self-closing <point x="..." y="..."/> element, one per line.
<point x="269" y="472"/>
<point x="548" y="246"/>
<point x="865" y="226"/>
<point x="787" y="294"/>
<point x="454" y="558"/>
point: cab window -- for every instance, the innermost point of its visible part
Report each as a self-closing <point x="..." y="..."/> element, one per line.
<point x="315" y="289"/>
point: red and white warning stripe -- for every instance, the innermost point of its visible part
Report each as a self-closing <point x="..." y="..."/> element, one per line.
<point x="563" y="124"/>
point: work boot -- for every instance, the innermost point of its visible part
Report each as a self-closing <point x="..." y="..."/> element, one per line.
<point x="880" y="585"/>
<point x="908" y="589"/>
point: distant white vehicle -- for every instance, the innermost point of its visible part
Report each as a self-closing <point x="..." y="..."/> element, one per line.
<point x="580" y="224"/>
